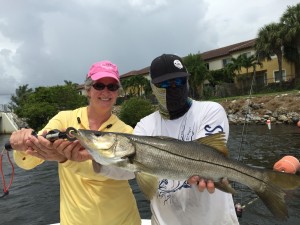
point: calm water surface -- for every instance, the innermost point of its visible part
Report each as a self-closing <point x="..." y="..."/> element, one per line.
<point x="34" y="195"/>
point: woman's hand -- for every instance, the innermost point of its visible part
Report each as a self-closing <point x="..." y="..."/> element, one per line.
<point x="42" y="148"/>
<point x="19" y="138"/>
<point x="72" y="150"/>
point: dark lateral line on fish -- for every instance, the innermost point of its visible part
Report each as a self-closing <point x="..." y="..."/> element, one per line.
<point x="198" y="160"/>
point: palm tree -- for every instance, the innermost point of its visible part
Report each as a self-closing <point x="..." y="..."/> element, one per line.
<point x="140" y="83"/>
<point x="290" y="21"/>
<point x="199" y="72"/>
<point x="126" y="85"/>
<point x="250" y="62"/>
<point x="234" y="65"/>
<point x="269" y="42"/>
<point x="137" y="85"/>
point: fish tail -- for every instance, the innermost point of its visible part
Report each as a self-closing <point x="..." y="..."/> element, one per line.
<point x="273" y="194"/>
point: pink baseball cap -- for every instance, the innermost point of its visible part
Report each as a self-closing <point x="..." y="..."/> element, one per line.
<point x="104" y="69"/>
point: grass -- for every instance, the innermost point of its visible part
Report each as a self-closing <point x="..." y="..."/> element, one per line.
<point x="254" y="95"/>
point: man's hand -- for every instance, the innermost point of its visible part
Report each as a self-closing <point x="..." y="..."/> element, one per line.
<point x="202" y="184"/>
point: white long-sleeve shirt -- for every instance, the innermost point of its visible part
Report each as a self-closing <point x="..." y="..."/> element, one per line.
<point x="176" y="202"/>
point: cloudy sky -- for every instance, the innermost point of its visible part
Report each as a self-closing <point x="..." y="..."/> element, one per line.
<point x="44" y="42"/>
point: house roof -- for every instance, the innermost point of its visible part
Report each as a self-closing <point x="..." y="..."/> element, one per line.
<point x="219" y="52"/>
<point x="212" y="54"/>
<point x="143" y="71"/>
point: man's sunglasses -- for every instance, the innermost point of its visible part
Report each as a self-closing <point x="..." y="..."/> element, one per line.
<point x="176" y="82"/>
<point x="110" y="87"/>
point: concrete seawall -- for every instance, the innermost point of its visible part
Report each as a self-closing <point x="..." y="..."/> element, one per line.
<point x="7" y="123"/>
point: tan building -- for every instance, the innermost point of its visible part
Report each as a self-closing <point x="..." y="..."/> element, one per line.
<point x="141" y="72"/>
<point x="218" y="58"/>
<point x="268" y="73"/>
<point x="135" y="90"/>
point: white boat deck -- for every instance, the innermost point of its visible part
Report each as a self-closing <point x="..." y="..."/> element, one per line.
<point x="144" y="222"/>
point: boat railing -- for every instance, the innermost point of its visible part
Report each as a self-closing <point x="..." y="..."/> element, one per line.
<point x="4" y="108"/>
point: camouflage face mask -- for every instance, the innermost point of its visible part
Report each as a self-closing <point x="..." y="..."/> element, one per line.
<point x="173" y="102"/>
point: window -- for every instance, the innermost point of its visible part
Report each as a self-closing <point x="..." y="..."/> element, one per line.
<point x="226" y="61"/>
<point x="207" y="66"/>
<point x="247" y="54"/>
<point x="278" y="78"/>
<point x="261" y="79"/>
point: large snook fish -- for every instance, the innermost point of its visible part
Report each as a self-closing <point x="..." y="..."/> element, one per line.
<point x="163" y="157"/>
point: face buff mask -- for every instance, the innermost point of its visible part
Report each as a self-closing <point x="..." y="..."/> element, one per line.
<point x="173" y="102"/>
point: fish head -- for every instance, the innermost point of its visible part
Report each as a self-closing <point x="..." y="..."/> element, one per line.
<point x="105" y="147"/>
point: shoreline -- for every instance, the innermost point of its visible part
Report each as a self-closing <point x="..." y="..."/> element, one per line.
<point x="279" y="109"/>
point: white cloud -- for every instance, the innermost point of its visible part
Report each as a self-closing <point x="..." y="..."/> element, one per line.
<point x="147" y="5"/>
<point x="235" y="21"/>
<point x="43" y="43"/>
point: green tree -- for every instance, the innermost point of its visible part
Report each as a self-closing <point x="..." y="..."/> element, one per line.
<point x="251" y="61"/>
<point x="270" y="41"/>
<point x="199" y="73"/>
<point x="136" y="86"/>
<point x="37" y="114"/>
<point x="235" y="65"/>
<point x="125" y="85"/>
<point x="67" y="82"/>
<point x="20" y="97"/>
<point x="45" y="102"/>
<point x="134" y="109"/>
<point x="220" y="76"/>
<point x="290" y="21"/>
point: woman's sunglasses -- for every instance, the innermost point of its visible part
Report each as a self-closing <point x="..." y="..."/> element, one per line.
<point x="110" y="87"/>
<point x="176" y="82"/>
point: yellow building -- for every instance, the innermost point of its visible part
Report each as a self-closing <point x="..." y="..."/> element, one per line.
<point x="218" y="58"/>
<point x="269" y="73"/>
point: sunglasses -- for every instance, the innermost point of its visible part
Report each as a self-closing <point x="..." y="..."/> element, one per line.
<point x="110" y="87"/>
<point x="176" y="82"/>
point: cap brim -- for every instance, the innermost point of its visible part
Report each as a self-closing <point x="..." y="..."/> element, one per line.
<point x="169" y="76"/>
<point x="101" y="75"/>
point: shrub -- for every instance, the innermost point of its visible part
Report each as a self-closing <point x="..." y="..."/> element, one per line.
<point x="134" y="109"/>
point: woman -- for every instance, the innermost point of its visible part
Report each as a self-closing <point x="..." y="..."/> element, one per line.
<point x="85" y="196"/>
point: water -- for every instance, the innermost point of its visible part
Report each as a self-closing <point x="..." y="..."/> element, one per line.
<point x="34" y="195"/>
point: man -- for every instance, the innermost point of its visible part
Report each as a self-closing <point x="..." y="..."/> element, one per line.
<point x="177" y="202"/>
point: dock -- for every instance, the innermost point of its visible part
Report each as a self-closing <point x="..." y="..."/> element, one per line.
<point x="7" y="122"/>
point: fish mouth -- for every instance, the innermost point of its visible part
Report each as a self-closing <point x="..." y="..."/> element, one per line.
<point x="95" y="141"/>
<point x="101" y="146"/>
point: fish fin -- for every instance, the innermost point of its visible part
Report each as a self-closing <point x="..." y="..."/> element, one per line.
<point x="273" y="195"/>
<point x="217" y="141"/>
<point x="225" y="186"/>
<point x="147" y="183"/>
<point x="285" y="181"/>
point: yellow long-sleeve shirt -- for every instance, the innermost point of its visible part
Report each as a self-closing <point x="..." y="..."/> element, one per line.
<point x="87" y="198"/>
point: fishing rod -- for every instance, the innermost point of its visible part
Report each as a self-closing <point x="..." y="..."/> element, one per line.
<point x="51" y="136"/>
<point x="239" y="206"/>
